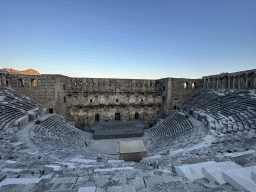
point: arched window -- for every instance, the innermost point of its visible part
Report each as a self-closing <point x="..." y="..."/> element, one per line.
<point x="186" y="85"/>
<point x="136" y="115"/>
<point x="21" y="83"/>
<point x="193" y="85"/>
<point x="97" y="117"/>
<point x="33" y="83"/>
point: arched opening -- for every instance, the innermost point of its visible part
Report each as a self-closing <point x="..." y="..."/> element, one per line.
<point x="117" y="116"/>
<point x="163" y="88"/>
<point x="186" y="85"/>
<point x="193" y="85"/>
<point x="64" y="87"/>
<point x="51" y="110"/>
<point x="175" y="107"/>
<point x="163" y="98"/>
<point x="21" y="83"/>
<point x="249" y="84"/>
<point x="33" y="83"/>
<point x="97" y="117"/>
<point x="136" y="115"/>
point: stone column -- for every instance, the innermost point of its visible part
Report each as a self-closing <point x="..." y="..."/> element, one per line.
<point x="209" y="83"/>
<point x="246" y="80"/>
<point x="1" y="79"/>
<point x="234" y="82"/>
<point x="229" y="82"/>
<point x="254" y="80"/>
<point x="219" y="85"/>
<point x="224" y="82"/>
<point x="214" y="83"/>
<point x="205" y="83"/>
<point x="239" y="81"/>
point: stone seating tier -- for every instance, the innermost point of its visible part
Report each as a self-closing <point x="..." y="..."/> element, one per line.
<point x="171" y="126"/>
<point x="236" y="106"/>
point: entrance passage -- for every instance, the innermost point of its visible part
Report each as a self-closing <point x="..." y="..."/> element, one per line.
<point x="117" y="116"/>
<point x="50" y="110"/>
<point x="136" y="116"/>
<point x="97" y="117"/>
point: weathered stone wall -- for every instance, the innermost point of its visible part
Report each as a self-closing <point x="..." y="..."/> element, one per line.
<point x="44" y="89"/>
<point x="179" y="93"/>
<point x="237" y="80"/>
<point x="89" y="97"/>
<point x="85" y="100"/>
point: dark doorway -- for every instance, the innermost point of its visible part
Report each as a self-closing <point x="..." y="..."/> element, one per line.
<point x="50" y="110"/>
<point x="174" y="107"/>
<point x="117" y="116"/>
<point x="136" y="116"/>
<point x="97" y="117"/>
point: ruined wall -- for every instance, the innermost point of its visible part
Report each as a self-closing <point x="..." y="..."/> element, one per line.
<point x="182" y="89"/>
<point x="85" y="100"/>
<point x="44" y="89"/>
<point x="237" y="80"/>
<point x="88" y="98"/>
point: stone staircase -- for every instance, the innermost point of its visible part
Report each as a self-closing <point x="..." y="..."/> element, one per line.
<point x="241" y="178"/>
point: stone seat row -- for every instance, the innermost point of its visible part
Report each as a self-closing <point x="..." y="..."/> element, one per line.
<point x="48" y="134"/>
<point x="61" y="130"/>
<point x="171" y="126"/>
<point x="56" y="122"/>
<point x="12" y="95"/>
<point x="228" y="113"/>
<point x="21" y="104"/>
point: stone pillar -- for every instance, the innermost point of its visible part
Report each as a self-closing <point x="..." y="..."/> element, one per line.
<point x="229" y="82"/>
<point x="3" y="80"/>
<point x="234" y="82"/>
<point x="219" y="85"/>
<point x="239" y="81"/>
<point x="254" y="80"/>
<point x="224" y="82"/>
<point x="205" y="83"/>
<point x="214" y="82"/>
<point x="246" y="80"/>
<point x="209" y="83"/>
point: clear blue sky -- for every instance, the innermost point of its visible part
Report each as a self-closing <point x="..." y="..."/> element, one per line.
<point x="140" y="39"/>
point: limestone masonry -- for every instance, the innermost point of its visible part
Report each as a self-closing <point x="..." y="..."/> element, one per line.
<point x="86" y="100"/>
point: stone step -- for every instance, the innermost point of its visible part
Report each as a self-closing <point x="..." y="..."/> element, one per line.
<point x="11" y="170"/>
<point x="113" y="169"/>
<point x="87" y="189"/>
<point x="23" y="181"/>
<point x="214" y="173"/>
<point x="237" y="154"/>
<point x="86" y="161"/>
<point x="55" y="167"/>
<point x="197" y="168"/>
<point x="240" y="179"/>
<point x="185" y="171"/>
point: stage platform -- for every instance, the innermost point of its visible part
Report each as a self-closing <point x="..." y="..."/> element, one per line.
<point x="118" y="129"/>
